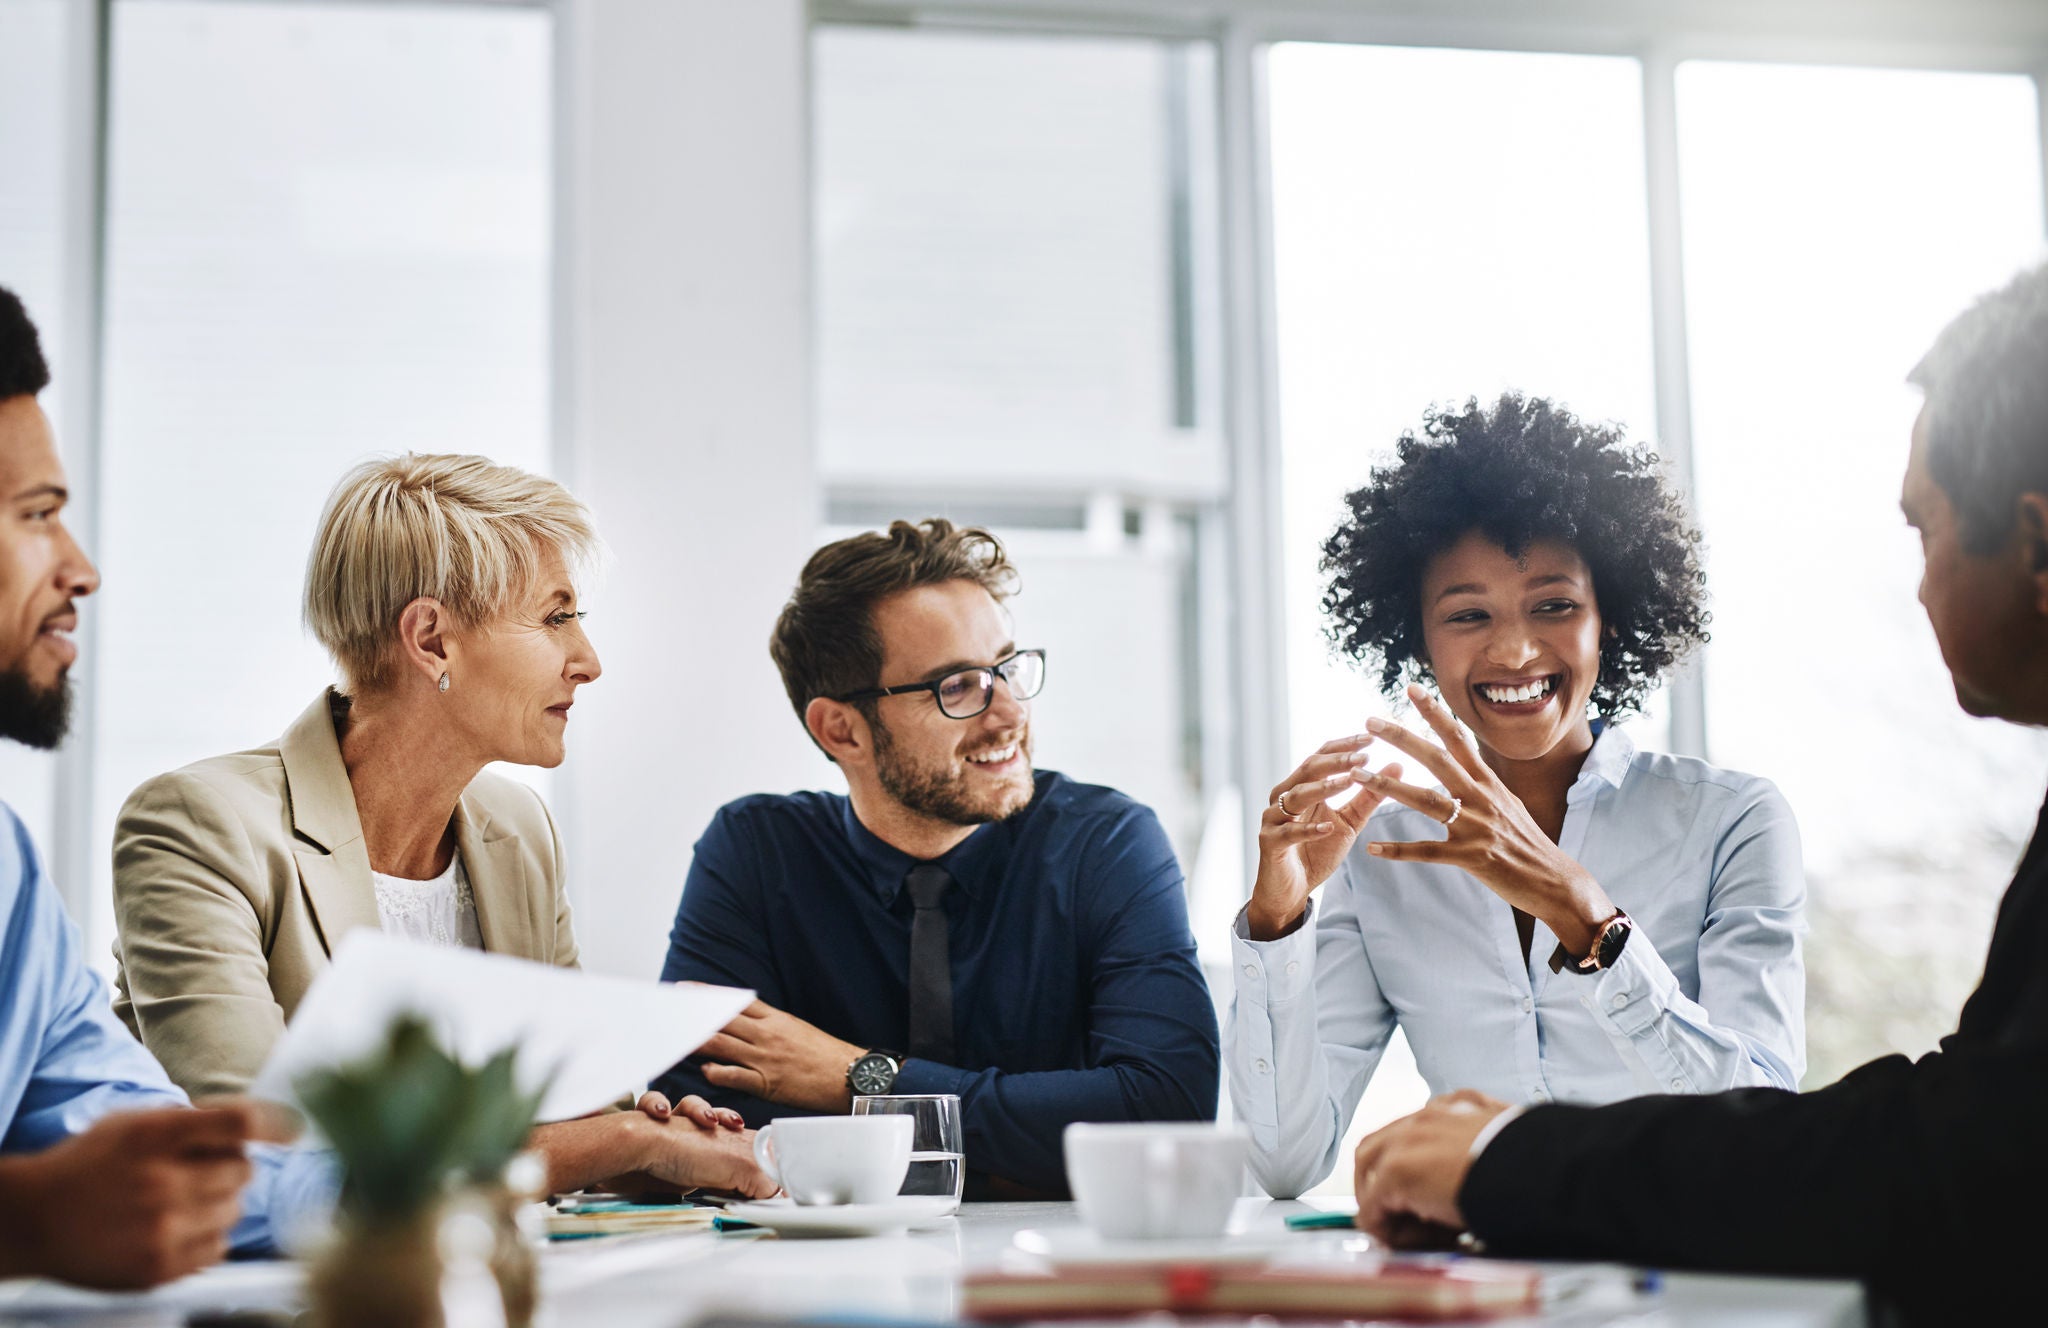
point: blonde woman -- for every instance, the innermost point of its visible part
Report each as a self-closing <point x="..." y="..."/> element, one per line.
<point x="444" y="589"/>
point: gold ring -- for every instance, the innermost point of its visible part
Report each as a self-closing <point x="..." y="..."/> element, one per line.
<point x="1281" y="803"/>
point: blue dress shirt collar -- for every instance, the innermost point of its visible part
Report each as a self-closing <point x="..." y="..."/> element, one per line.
<point x="887" y="865"/>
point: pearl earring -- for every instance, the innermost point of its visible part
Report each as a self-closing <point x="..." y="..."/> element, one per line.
<point x="444" y="682"/>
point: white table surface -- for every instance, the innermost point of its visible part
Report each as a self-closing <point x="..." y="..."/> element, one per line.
<point x="669" y="1281"/>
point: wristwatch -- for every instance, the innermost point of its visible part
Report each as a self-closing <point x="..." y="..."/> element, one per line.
<point x="874" y="1072"/>
<point x="1607" y="947"/>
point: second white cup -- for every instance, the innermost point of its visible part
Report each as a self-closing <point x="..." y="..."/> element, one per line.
<point x="1156" y="1181"/>
<point x="836" y="1159"/>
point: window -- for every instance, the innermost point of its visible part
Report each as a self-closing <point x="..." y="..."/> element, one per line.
<point x="1015" y="274"/>
<point x="1834" y="220"/>
<point x="1446" y="224"/>
<point x="301" y="274"/>
<point x="32" y="264"/>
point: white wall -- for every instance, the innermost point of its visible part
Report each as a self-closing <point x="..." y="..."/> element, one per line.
<point x="687" y="369"/>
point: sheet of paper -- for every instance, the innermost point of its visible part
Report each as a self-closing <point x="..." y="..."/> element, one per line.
<point x="599" y="1037"/>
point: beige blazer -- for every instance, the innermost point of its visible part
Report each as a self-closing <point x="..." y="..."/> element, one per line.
<point x="235" y="877"/>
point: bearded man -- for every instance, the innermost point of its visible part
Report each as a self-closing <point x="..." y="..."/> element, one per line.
<point x="108" y="1176"/>
<point x="956" y="922"/>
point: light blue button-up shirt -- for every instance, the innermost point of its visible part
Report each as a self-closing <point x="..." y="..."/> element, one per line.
<point x="1708" y="994"/>
<point x="66" y="1061"/>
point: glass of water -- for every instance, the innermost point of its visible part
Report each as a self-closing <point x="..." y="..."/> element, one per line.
<point x="937" y="1154"/>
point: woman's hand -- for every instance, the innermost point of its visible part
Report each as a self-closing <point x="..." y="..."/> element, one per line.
<point x="1491" y="834"/>
<point x="1301" y="845"/>
<point x="655" y="1106"/>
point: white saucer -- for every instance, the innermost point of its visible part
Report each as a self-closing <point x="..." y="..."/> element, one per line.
<point x="790" y="1218"/>
<point x="1078" y="1245"/>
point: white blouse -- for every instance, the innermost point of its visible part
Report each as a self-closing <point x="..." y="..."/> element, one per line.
<point x="440" y="912"/>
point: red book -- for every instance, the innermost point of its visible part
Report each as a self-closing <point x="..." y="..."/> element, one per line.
<point x="1354" y="1285"/>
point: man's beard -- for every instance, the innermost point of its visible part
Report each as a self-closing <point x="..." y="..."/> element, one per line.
<point x="937" y="792"/>
<point x="32" y="715"/>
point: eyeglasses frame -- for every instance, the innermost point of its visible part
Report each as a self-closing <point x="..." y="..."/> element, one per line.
<point x="995" y="671"/>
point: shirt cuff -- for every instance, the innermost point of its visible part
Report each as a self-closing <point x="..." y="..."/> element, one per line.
<point x="1492" y="1128"/>
<point x="920" y="1078"/>
<point x="1636" y="990"/>
<point x="1274" y="972"/>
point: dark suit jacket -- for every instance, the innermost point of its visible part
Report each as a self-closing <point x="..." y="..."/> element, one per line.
<point x="1926" y="1179"/>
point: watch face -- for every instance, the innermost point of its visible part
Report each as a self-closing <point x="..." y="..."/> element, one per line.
<point x="873" y="1074"/>
<point x="1613" y="939"/>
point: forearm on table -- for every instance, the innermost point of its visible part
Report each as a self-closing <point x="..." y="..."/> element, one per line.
<point x="17" y="1218"/>
<point x="583" y="1152"/>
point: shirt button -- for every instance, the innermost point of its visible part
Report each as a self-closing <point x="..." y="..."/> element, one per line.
<point x="1528" y="1004"/>
<point x="1251" y="970"/>
<point x="1620" y="999"/>
<point x="1678" y="1085"/>
<point x="1261" y="1066"/>
<point x="1293" y="967"/>
<point x="1539" y="1095"/>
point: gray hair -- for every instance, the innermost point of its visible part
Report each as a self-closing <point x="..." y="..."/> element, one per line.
<point x="1986" y="384"/>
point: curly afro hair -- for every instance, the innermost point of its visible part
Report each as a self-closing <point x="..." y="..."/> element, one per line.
<point x="1521" y="471"/>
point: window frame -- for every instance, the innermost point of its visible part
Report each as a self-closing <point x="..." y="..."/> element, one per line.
<point x="1975" y="36"/>
<point x="1986" y="36"/>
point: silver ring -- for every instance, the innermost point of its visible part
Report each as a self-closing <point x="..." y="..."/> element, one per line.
<point x="1457" y="810"/>
<point x="1281" y="803"/>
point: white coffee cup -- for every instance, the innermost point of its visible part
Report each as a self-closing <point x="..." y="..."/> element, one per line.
<point x="1143" y="1181"/>
<point x="836" y="1159"/>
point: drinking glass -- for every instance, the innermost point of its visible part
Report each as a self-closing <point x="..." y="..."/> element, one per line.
<point x="938" y="1164"/>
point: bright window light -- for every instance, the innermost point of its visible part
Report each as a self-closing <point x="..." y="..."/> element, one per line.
<point x="328" y="239"/>
<point x="1835" y="219"/>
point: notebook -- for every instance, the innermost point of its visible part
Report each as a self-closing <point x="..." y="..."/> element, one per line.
<point x="1349" y="1284"/>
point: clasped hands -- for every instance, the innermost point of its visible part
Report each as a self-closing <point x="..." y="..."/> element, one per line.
<point x="1489" y="833"/>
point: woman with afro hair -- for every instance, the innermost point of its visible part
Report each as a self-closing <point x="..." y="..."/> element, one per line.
<point x="1551" y="914"/>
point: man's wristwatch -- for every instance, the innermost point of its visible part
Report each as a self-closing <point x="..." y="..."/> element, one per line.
<point x="874" y="1072"/>
<point x="1607" y="946"/>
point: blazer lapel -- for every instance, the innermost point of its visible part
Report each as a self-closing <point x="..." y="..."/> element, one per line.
<point x="334" y="866"/>
<point x="497" y="878"/>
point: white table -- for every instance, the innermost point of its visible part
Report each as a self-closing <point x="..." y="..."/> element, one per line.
<point x="669" y="1281"/>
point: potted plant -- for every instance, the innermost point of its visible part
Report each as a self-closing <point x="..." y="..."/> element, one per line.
<point x="413" y="1127"/>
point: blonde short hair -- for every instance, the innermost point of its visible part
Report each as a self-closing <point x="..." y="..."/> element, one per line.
<point x="459" y="529"/>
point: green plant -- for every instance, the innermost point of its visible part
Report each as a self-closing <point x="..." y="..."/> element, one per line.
<point x="409" y="1120"/>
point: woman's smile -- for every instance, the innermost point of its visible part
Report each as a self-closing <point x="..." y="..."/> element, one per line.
<point x="1529" y="694"/>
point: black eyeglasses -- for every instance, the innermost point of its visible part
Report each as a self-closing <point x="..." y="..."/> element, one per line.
<point x="965" y="694"/>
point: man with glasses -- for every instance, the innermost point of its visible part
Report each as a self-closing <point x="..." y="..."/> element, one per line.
<point x="956" y="923"/>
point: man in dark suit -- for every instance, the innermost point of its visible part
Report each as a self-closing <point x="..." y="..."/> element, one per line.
<point x="1924" y="1178"/>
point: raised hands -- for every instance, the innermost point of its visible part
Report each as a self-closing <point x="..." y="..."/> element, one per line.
<point x="1490" y="834"/>
<point x="1302" y="838"/>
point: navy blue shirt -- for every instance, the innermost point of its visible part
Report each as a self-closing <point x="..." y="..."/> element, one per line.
<point x="1076" y="996"/>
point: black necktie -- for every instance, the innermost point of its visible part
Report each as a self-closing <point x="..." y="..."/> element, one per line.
<point x="931" y="966"/>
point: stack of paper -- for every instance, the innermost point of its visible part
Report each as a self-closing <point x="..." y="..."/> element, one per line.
<point x="591" y="1039"/>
